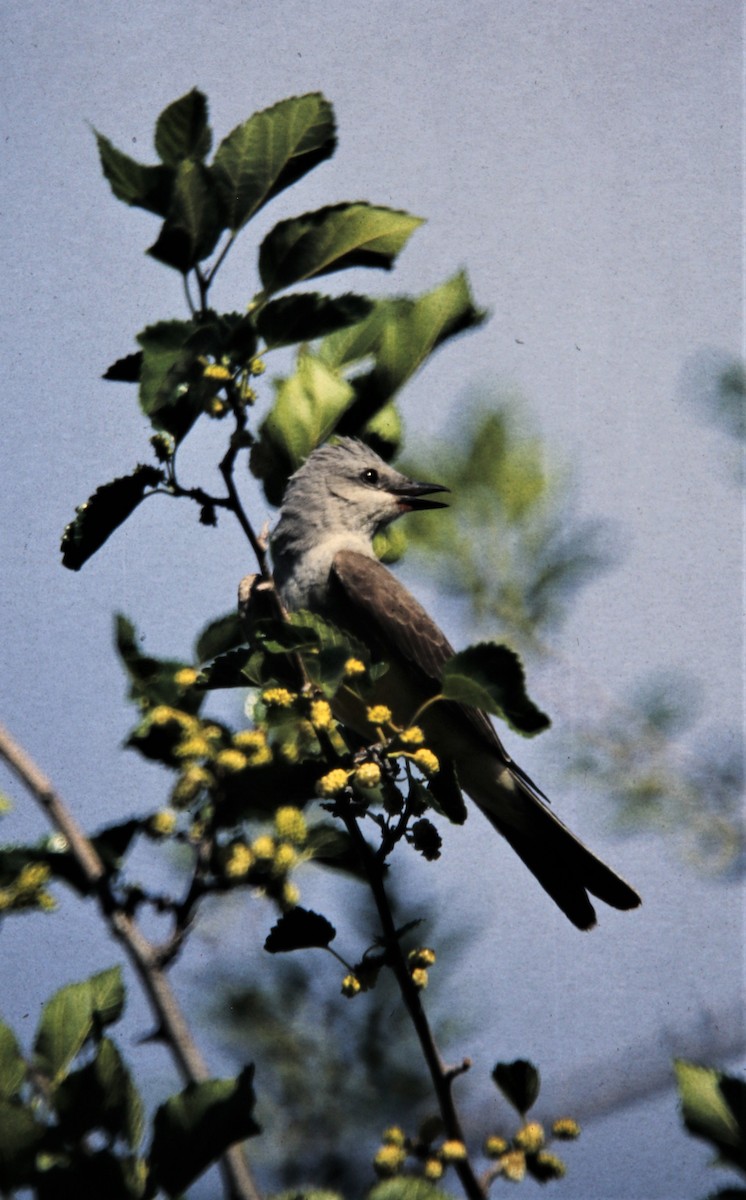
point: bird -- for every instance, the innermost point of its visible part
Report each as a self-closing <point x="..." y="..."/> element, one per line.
<point x="324" y="562"/>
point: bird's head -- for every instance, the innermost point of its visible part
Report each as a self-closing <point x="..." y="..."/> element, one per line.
<point x="347" y="486"/>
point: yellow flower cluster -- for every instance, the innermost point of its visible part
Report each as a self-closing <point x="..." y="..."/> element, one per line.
<point x="186" y="677"/>
<point x="321" y="714"/>
<point x="353" y="668"/>
<point x="27" y="890"/>
<point x="291" y="825"/>
<point x="412" y="736"/>
<point x="368" y="775"/>
<point x="332" y="783"/>
<point x="395" y="1148"/>
<point x="525" y="1153"/>
<point x="162" y="823"/>
<point x="351" y="985"/>
<point x="419" y="960"/>
<point x="379" y="714"/>
<point x="253" y="742"/>
<point x="566" y="1129"/>
<point x="239" y="861"/>
<point x="278" y="697"/>
<point x="530" y="1137"/>
<point x="216" y="371"/>
<point x="426" y="761"/>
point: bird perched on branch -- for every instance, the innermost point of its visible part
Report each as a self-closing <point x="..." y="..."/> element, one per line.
<point x="322" y="549"/>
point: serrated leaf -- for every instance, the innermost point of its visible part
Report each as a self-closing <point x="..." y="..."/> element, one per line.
<point x="519" y="1083"/>
<point x="299" y="929"/>
<point x="709" y="1113"/>
<point x="68" y="1018"/>
<point x="305" y="317"/>
<point x="12" y="1063"/>
<point x="220" y="636"/>
<point x="107" y="509"/>
<point x="194" y="221"/>
<point x="170" y="378"/>
<point x="125" y="370"/>
<point x="490" y="677"/>
<point x="135" y="183"/>
<point x="332" y="239"/>
<point x="228" y="670"/>
<point x="195" y="1127"/>
<point x="182" y="130"/>
<point x="270" y="151"/>
<point x="306" y="409"/>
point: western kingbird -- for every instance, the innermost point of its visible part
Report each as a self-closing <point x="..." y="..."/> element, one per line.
<point x="322" y="549"/>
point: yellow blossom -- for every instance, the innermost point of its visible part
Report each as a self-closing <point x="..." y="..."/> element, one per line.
<point x="433" y="1169"/>
<point x="185" y="677"/>
<point x="353" y="667"/>
<point x="162" y="823"/>
<point x="351" y="985"/>
<point x="332" y="783"/>
<point x="239" y="861"/>
<point x="216" y="407"/>
<point x="32" y="877"/>
<point x="6" y="898"/>
<point x="548" y="1166"/>
<point x="193" y="747"/>
<point x="278" y="697"/>
<point x="453" y="1151"/>
<point x="379" y="714"/>
<point x="231" y="761"/>
<point x="286" y="857"/>
<point x="250" y="739"/>
<point x="257" y="366"/>
<point x="216" y="371"/>
<point x="393" y="1136"/>
<point x="422" y="957"/>
<point x="412" y="736"/>
<point x="513" y="1165"/>
<point x="566" y="1128"/>
<point x="290" y="895"/>
<point x="264" y="846"/>
<point x="46" y="901"/>
<point x="495" y="1146"/>
<point x="189" y="784"/>
<point x="389" y="1160"/>
<point x="164" y="714"/>
<point x="419" y="978"/>
<point x="291" y="824"/>
<point x="368" y="775"/>
<point x="530" y="1137"/>
<point x="321" y="714"/>
<point x="427" y="762"/>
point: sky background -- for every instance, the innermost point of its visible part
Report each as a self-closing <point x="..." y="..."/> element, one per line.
<point x="583" y="162"/>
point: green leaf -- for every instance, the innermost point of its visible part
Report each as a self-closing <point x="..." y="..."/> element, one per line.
<point x="195" y="1127"/>
<point x="490" y="677"/>
<point x="330" y="846"/>
<point x="299" y="929"/>
<point x="168" y="367"/>
<point x="194" y="222"/>
<point x="307" y="407"/>
<point x="270" y="151"/>
<point x="332" y="239"/>
<point x="101" y="1095"/>
<point x="125" y="370"/>
<point x="714" y="1107"/>
<point x="20" y="1139"/>
<point x="405" y="1188"/>
<point x="304" y="317"/>
<point x="182" y="130"/>
<point x="107" y="509"/>
<point x="12" y="1064"/>
<point x="152" y="679"/>
<point x="221" y="635"/>
<point x="69" y="1018"/>
<point x="519" y="1083"/>
<point x="133" y="182"/>
<point x="229" y="670"/>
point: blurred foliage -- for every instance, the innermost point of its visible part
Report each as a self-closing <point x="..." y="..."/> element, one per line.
<point x="510" y="544"/>
<point x="713" y="1107"/>
<point x="714" y="383"/>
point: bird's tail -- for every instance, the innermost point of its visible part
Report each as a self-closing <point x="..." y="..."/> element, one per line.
<point x="564" y="867"/>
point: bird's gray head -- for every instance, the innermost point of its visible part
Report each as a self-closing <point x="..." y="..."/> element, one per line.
<point x="344" y="492"/>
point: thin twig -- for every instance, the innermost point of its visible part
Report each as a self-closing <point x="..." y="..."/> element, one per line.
<point x="171" y="1023"/>
<point x="442" y="1077"/>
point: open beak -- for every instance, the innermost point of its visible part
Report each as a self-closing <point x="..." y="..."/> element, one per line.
<point x="412" y="497"/>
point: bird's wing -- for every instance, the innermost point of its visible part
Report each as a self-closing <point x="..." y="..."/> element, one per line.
<point x="375" y="607"/>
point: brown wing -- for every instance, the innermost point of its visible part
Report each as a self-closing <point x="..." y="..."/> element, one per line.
<point x="386" y="617"/>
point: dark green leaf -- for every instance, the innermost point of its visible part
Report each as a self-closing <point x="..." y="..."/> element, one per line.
<point x="20" y="1139"/>
<point x="270" y="151"/>
<point x="194" y="222"/>
<point x="125" y="370"/>
<point x="113" y="841"/>
<point x="332" y="847"/>
<point x="229" y="670"/>
<point x="12" y="1064"/>
<point x="491" y="677"/>
<point x="306" y="1194"/>
<point x="67" y="1020"/>
<point x="519" y="1083"/>
<point x="100" y="1095"/>
<point x="133" y="182"/>
<point x="226" y="633"/>
<point x="299" y="929"/>
<point x="195" y="1127"/>
<point x="152" y="679"/>
<point x="182" y="130"/>
<point x="332" y="239"/>
<point x="108" y="507"/>
<point x="405" y="1188"/>
<point x="304" y="317"/>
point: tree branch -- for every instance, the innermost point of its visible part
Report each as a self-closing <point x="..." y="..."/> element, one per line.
<point x="171" y="1023"/>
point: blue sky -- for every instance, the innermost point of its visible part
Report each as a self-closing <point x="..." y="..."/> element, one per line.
<point x="583" y="162"/>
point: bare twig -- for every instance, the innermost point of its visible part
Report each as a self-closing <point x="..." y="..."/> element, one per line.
<point x="171" y="1023"/>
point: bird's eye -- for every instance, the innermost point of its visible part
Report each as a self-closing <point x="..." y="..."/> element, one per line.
<point x="370" y="476"/>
